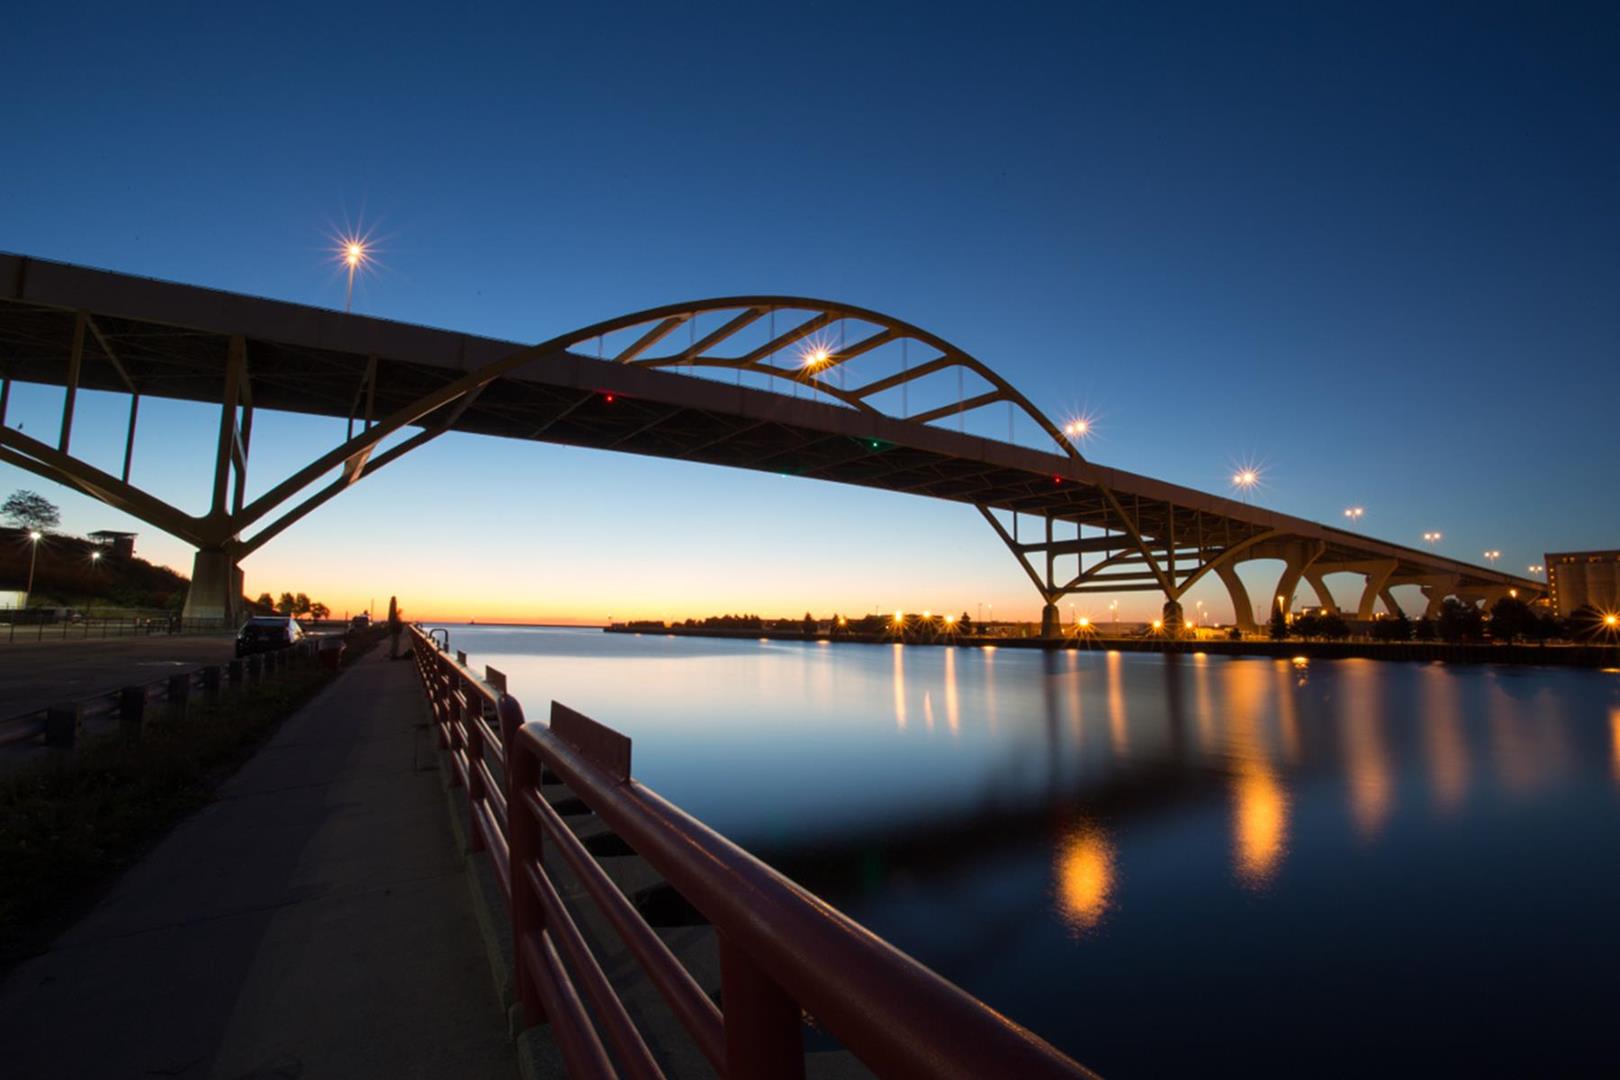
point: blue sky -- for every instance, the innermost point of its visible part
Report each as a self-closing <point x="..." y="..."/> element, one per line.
<point x="1375" y="248"/>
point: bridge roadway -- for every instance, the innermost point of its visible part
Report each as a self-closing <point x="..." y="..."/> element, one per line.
<point x="1097" y="529"/>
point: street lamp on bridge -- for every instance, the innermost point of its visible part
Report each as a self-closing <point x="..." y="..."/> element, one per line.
<point x="1492" y="556"/>
<point x="1354" y="514"/>
<point x="1432" y="538"/>
<point x="1538" y="569"/>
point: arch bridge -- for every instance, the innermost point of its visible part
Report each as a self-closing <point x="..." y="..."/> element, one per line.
<point x="778" y="383"/>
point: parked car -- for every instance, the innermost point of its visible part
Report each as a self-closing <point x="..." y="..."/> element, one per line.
<point x="262" y="633"/>
<point x="361" y="621"/>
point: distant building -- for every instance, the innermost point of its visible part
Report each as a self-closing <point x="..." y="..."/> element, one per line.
<point x="1576" y="579"/>
<point x="119" y="544"/>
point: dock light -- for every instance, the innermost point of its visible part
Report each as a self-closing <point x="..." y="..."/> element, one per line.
<point x="1611" y="620"/>
<point x="950" y="620"/>
<point x="1189" y="624"/>
<point x="35" y="535"/>
<point x="1085" y="623"/>
<point x="95" y="556"/>
<point x="928" y="614"/>
<point x="898" y="617"/>
<point x="1513" y="593"/>
<point x="1158" y="624"/>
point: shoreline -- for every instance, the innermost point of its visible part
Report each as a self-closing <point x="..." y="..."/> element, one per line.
<point x="1600" y="657"/>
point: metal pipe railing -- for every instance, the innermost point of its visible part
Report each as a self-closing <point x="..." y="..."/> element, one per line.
<point x="784" y="953"/>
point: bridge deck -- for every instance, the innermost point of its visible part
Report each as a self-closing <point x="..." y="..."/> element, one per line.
<point x="169" y="340"/>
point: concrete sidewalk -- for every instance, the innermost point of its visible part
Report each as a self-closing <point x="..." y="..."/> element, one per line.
<point x="315" y="921"/>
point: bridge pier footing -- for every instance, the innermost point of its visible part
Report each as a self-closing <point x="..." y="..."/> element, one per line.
<point x="1051" y="622"/>
<point x="216" y="588"/>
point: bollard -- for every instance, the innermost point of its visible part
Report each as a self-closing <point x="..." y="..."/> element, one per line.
<point x="131" y="711"/>
<point x="179" y="694"/>
<point x="210" y="680"/>
<point x="63" y="724"/>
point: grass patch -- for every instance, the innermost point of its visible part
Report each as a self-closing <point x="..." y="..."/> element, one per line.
<point x="69" y="827"/>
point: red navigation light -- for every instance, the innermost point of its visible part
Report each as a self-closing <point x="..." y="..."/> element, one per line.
<point x="608" y="398"/>
<point x="1057" y="479"/>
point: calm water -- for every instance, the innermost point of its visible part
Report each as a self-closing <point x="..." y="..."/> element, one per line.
<point x="1165" y="864"/>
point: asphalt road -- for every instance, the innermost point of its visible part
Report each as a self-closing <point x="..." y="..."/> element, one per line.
<point x="38" y="675"/>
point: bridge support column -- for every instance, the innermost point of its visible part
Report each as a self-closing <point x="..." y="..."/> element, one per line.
<point x="1377" y="584"/>
<point x="1242" y="607"/>
<point x="216" y="587"/>
<point x="1323" y="595"/>
<point x="1051" y="622"/>
<point x="1175" y="620"/>
<point x="1391" y="605"/>
<point x="1435" y="590"/>
<point x="1298" y="559"/>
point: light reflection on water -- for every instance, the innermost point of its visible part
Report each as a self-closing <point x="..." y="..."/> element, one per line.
<point x="1384" y="857"/>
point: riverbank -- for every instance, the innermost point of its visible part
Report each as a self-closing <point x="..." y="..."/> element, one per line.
<point x="1542" y="654"/>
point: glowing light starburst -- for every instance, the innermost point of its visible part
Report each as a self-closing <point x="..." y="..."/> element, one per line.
<point x="1246" y="476"/>
<point x="356" y="252"/>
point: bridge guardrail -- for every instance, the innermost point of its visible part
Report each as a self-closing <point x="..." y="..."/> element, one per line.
<point x="783" y="952"/>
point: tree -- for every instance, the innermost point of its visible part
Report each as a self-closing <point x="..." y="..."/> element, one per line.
<point x="809" y="625"/>
<point x="286" y="604"/>
<point x="965" y="623"/>
<point x="265" y="601"/>
<point x="1332" y="625"/>
<point x="1424" y="630"/>
<point x="318" y="610"/>
<point x="1460" y="621"/>
<point x="1511" y="618"/>
<point x="27" y="510"/>
<point x="1585" y="623"/>
<point x="301" y="604"/>
<point x="1279" y="625"/>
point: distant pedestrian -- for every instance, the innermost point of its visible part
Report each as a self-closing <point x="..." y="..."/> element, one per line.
<point x="394" y="627"/>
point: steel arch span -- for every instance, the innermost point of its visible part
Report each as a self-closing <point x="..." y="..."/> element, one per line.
<point x="780" y="383"/>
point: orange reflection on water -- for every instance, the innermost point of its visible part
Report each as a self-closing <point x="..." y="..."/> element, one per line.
<point x="953" y="712"/>
<point x="1260" y="825"/>
<point x="899" y="686"/>
<point x="1614" y="734"/>
<point x="1116" y="705"/>
<point x="1371" y="784"/>
<point x="1447" y="749"/>
<point x="1084" y="876"/>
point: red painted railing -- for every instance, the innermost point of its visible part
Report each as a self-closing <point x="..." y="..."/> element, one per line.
<point x="784" y="954"/>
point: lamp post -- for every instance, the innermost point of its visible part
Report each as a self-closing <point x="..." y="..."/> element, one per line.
<point x="1354" y="514"/>
<point x="1492" y="556"/>
<point x="33" y="557"/>
<point x="1432" y="538"/>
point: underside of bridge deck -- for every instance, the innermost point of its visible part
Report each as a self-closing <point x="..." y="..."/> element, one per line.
<point x="1096" y="529"/>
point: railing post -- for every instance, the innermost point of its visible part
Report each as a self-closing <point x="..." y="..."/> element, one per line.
<point x="62" y="725"/>
<point x="179" y="694"/>
<point x="131" y="711"/>
<point x="523" y="842"/>
<point x="764" y="1031"/>
<point x="472" y="726"/>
